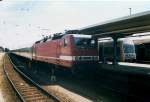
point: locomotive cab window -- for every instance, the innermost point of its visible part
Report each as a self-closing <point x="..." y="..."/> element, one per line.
<point x="84" y="42"/>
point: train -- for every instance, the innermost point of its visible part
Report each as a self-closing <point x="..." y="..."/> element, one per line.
<point x="70" y="51"/>
<point x="142" y="47"/>
<point x="76" y="51"/>
<point x="125" y="50"/>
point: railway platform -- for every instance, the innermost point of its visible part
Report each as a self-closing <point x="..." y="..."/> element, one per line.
<point x="125" y="67"/>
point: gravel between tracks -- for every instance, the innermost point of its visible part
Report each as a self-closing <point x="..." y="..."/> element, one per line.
<point x="61" y="93"/>
<point x="29" y="92"/>
<point x="6" y="92"/>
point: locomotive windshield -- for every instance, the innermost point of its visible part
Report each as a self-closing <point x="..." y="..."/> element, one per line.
<point x="84" y="42"/>
<point x="128" y="46"/>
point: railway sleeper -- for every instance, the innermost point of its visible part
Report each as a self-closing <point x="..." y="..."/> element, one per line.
<point x="27" y="88"/>
<point x="23" y="88"/>
<point x="42" y="100"/>
<point x="29" y="91"/>
<point x="32" y="95"/>
<point x="35" y="99"/>
<point x="21" y="85"/>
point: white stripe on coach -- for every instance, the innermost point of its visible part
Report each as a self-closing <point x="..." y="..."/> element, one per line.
<point x="79" y="58"/>
<point x="47" y="57"/>
<point x="68" y="58"/>
<point x="73" y="58"/>
<point x="62" y="57"/>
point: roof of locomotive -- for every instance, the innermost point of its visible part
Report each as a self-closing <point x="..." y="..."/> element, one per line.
<point x="60" y="35"/>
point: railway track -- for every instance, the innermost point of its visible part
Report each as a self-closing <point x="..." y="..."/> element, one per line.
<point x="26" y="89"/>
<point x="118" y="83"/>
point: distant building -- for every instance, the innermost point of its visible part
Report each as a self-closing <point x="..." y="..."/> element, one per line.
<point x="1" y="49"/>
<point x="6" y="50"/>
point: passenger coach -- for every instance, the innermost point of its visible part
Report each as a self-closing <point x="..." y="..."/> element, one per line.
<point x="125" y="50"/>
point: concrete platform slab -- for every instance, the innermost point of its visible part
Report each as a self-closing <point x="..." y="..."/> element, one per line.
<point x="65" y="95"/>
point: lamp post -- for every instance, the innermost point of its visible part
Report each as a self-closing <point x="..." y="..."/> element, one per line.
<point x="130" y="10"/>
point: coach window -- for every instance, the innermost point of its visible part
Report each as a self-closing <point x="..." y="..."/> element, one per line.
<point x="65" y="42"/>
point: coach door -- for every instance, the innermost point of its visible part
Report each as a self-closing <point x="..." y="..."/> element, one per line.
<point x="58" y="47"/>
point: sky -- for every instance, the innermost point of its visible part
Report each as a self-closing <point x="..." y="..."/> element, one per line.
<point x="22" y="22"/>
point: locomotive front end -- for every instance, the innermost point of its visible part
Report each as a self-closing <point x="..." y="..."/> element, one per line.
<point x="84" y="51"/>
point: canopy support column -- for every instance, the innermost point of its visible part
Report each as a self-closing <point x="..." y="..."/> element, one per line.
<point x="115" y="50"/>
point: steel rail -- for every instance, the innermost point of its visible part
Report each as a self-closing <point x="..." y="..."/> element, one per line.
<point x="34" y="83"/>
<point x="13" y="86"/>
<point x="120" y="92"/>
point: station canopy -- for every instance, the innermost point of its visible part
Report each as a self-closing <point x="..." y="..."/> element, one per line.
<point x="121" y="27"/>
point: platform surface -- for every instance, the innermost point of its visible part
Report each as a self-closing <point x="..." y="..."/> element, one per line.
<point x="65" y="95"/>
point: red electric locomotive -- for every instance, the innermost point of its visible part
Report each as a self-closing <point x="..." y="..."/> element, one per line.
<point x="68" y="51"/>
